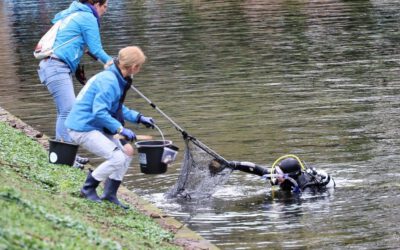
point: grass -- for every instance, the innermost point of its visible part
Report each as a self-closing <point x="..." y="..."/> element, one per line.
<point x="41" y="208"/>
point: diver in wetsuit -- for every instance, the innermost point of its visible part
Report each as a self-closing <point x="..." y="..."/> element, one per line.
<point x="290" y="173"/>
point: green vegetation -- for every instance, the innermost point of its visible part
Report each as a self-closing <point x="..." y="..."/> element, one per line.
<point x="41" y="209"/>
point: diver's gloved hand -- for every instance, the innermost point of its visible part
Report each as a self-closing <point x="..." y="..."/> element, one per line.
<point x="296" y="189"/>
<point x="128" y="134"/>
<point x="233" y="164"/>
<point x="146" y="121"/>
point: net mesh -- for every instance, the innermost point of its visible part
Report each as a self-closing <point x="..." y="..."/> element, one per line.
<point x="201" y="172"/>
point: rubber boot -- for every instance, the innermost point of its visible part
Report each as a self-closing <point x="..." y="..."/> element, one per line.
<point x="110" y="192"/>
<point x="89" y="188"/>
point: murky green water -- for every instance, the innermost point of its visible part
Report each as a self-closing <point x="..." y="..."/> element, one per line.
<point x="253" y="80"/>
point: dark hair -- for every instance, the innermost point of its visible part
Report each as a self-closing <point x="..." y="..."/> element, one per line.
<point x="101" y="2"/>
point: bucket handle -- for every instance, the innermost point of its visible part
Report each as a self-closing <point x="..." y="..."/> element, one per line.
<point x="118" y="136"/>
<point x="161" y="133"/>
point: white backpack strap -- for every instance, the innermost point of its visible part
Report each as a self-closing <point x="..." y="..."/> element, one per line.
<point x="44" y="47"/>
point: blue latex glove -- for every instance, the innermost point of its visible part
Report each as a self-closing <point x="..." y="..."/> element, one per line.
<point x="296" y="189"/>
<point x="147" y="121"/>
<point x="128" y="134"/>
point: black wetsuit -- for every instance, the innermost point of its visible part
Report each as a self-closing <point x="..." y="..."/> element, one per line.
<point x="309" y="179"/>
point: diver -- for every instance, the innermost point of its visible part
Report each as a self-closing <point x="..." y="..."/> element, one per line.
<point x="290" y="173"/>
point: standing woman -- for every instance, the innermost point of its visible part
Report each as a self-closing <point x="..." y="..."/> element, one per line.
<point x="78" y="32"/>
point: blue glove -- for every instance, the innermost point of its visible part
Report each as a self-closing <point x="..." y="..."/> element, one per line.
<point x="128" y="134"/>
<point x="146" y="121"/>
<point x="296" y="189"/>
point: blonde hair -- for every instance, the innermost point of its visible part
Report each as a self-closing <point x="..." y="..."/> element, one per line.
<point x="131" y="55"/>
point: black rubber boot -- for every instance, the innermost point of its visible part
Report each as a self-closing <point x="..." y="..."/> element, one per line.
<point x="89" y="188"/>
<point x="110" y="192"/>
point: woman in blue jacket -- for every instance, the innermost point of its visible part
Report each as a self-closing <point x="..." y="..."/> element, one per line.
<point x="98" y="114"/>
<point x="78" y="31"/>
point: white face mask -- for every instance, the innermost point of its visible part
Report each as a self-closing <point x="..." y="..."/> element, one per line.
<point x="279" y="170"/>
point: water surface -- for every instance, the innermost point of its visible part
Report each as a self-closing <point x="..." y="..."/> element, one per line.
<point x="253" y="80"/>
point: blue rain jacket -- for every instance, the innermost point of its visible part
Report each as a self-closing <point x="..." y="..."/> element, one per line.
<point x="98" y="101"/>
<point x="79" y="20"/>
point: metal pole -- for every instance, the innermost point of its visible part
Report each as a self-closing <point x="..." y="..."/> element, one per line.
<point x="205" y="147"/>
<point x="159" y="110"/>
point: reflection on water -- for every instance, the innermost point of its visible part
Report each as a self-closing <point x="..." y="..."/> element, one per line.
<point x="253" y="80"/>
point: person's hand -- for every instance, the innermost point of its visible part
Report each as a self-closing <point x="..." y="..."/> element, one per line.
<point x="296" y="189"/>
<point x="128" y="134"/>
<point x="147" y="121"/>
<point x="80" y="74"/>
<point x="108" y="64"/>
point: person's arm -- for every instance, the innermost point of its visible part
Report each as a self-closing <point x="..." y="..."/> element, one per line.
<point x="136" y="117"/>
<point x="130" y="114"/>
<point x="91" y="36"/>
<point x="249" y="167"/>
<point x="102" y="105"/>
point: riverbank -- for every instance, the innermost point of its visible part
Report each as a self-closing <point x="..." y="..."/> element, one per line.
<point x="41" y="207"/>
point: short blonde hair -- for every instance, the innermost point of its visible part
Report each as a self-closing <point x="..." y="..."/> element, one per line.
<point x="130" y="56"/>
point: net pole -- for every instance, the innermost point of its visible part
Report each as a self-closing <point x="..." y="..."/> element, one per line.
<point x="159" y="110"/>
<point x="209" y="150"/>
<point x="184" y="133"/>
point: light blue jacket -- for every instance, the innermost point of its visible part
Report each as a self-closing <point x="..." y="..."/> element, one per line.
<point x="79" y="20"/>
<point x="98" y="101"/>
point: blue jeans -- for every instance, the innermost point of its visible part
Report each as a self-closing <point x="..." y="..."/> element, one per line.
<point x="56" y="76"/>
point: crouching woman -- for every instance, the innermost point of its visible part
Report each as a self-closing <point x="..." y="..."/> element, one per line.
<point x="98" y="114"/>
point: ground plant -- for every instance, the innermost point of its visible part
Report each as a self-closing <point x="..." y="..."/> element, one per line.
<point x="41" y="208"/>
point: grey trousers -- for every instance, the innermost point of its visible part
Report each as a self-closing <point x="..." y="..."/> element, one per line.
<point x="107" y="147"/>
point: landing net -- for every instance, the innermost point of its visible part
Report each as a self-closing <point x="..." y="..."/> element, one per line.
<point x="201" y="172"/>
